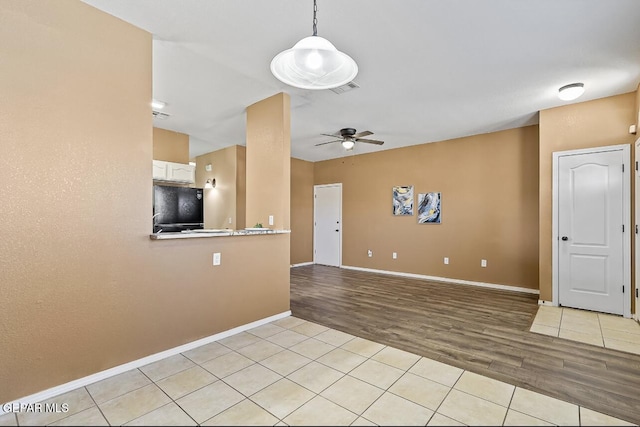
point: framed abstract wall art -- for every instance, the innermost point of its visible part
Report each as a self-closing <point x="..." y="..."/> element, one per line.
<point x="403" y="200"/>
<point x="429" y="208"/>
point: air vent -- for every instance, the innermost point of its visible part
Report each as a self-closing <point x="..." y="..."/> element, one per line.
<point x="160" y="116"/>
<point x="345" y="88"/>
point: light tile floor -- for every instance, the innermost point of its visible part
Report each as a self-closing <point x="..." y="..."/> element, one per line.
<point x="604" y="330"/>
<point x="293" y="372"/>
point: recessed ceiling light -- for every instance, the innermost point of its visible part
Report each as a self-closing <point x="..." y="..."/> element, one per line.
<point x="571" y="92"/>
<point x="158" y="105"/>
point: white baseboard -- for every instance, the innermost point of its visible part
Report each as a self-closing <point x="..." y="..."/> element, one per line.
<point x="448" y="280"/>
<point x="301" y="264"/>
<point x="546" y="303"/>
<point x="90" y="379"/>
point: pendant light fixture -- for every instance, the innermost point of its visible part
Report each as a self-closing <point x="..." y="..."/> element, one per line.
<point x="571" y="92"/>
<point x="314" y="63"/>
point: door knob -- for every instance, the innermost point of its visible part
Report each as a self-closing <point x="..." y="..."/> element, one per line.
<point x="565" y="238"/>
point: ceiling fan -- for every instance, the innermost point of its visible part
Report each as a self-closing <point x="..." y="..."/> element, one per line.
<point x="349" y="137"/>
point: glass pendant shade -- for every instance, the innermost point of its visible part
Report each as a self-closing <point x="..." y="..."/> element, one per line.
<point x="348" y="144"/>
<point x="314" y="63"/>
<point x="571" y="92"/>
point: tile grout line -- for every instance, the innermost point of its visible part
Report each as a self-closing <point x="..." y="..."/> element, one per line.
<point x="172" y="401"/>
<point x="513" y="393"/>
<point x="580" y="407"/>
<point x="97" y="406"/>
<point x="165" y="393"/>
<point x="347" y="374"/>
<point x="447" y="395"/>
<point x="282" y="377"/>
<point x="387" y="389"/>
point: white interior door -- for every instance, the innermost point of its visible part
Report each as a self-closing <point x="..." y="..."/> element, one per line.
<point x="327" y="230"/>
<point x="591" y="227"/>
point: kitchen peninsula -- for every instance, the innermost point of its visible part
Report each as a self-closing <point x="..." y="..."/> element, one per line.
<point x="213" y="233"/>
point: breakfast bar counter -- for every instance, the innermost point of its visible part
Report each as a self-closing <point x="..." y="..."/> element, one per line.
<point x="192" y="234"/>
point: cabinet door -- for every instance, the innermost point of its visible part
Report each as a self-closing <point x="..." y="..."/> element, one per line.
<point x="159" y="169"/>
<point x="181" y="172"/>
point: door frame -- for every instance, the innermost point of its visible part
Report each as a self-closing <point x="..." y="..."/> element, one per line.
<point x="626" y="219"/>
<point x="315" y="240"/>
<point x="637" y="221"/>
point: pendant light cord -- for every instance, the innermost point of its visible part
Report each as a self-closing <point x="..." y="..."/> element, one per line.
<point x="315" y="20"/>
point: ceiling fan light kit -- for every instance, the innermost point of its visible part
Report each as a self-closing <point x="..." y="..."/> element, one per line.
<point x="314" y="63"/>
<point x="349" y="137"/>
<point x="348" y="144"/>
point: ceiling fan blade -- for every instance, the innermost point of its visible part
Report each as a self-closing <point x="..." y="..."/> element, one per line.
<point x="363" y="133"/>
<point x="329" y="142"/>
<point x="370" y="141"/>
<point x="332" y="134"/>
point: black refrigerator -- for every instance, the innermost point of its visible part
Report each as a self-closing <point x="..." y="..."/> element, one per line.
<point x="177" y="208"/>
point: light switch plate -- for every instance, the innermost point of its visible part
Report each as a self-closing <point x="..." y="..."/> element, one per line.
<point x="270" y="219"/>
<point x="216" y="258"/>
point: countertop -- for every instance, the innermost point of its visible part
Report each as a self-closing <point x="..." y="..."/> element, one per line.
<point x="192" y="234"/>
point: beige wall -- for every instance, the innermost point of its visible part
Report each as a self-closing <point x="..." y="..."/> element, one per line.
<point x="301" y="211"/>
<point x="241" y="186"/>
<point x="268" y="162"/>
<point x="227" y="200"/>
<point x="83" y="287"/>
<point x="637" y="111"/>
<point x="489" y="208"/>
<point x="219" y="202"/>
<point x="170" y="146"/>
<point x="597" y="123"/>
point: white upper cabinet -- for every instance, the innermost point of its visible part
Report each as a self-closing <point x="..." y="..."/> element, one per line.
<point x="173" y="172"/>
<point x="159" y="170"/>
<point x="181" y="172"/>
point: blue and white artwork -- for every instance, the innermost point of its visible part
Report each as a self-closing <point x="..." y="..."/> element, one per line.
<point x="429" y="208"/>
<point x="403" y="200"/>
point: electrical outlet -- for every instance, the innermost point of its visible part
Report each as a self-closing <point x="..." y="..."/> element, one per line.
<point x="483" y="263"/>
<point x="270" y="219"/>
<point x="446" y="260"/>
<point x="370" y="253"/>
<point x="229" y="220"/>
<point x="394" y="255"/>
<point x="216" y="258"/>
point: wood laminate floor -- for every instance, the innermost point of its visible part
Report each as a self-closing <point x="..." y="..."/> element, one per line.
<point x="477" y="329"/>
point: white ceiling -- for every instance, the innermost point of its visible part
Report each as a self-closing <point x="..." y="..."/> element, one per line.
<point x="430" y="70"/>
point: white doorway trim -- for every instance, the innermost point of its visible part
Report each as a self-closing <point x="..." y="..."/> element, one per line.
<point x="626" y="194"/>
<point x="315" y="239"/>
<point x="637" y="236"/>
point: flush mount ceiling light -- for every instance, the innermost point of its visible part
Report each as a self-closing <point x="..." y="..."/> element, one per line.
<point x="571" y="92"/>
<point x="314" y="63"/>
